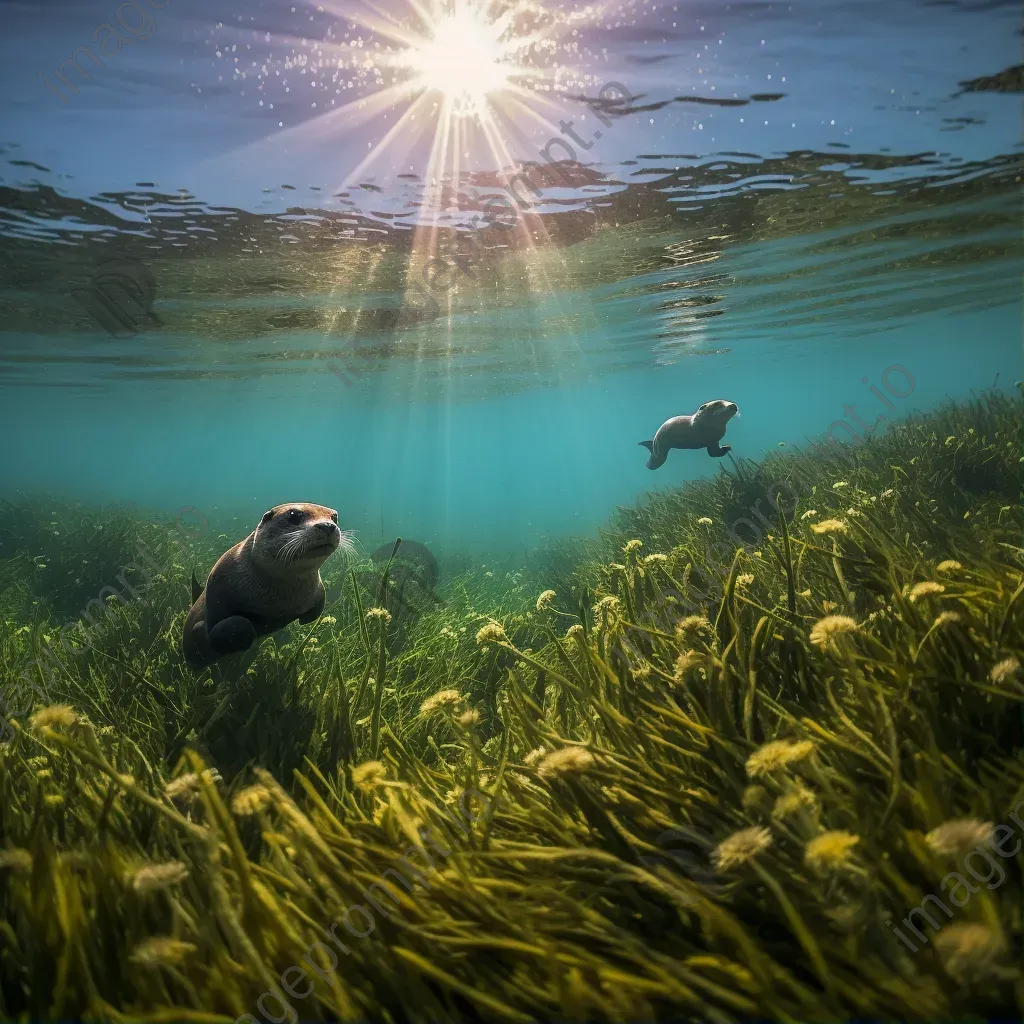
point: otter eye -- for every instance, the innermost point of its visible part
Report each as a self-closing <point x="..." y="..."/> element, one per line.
<point x="295" y="515"/>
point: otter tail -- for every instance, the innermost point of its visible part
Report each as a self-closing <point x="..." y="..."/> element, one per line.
<point x="655" y="460"/>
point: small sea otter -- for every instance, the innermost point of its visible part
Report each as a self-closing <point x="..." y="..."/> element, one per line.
<point x="704" y="429"/>
<point x="263" y="582"/>
<point x="412" y="573"/>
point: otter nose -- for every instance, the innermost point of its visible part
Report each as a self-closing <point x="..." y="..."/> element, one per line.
<point x="733" y="406"/>
<point x="326" y="527"/>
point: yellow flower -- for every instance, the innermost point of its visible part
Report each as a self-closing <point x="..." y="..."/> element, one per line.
<point x="744" y="579"/>
<point x="810" y="512"/>
<point x="565" y="761"/>
<point x="469" y="718"/>
<point x="949" y="565"/>
<point x="830" y="526"/>
<point x="945" y="618"/>
<point x="740" y="847"/>
<point x="574" y="632"/>
<point x="692" y="624"/>
<point x="632" y="545"/>
<point x="830" y="850"/>
<point x="545" y="599"/>
<point x="378" y="613"/>
<point x="776" y="755"/>
<point x="535" y="755"/>
<point x="15" y="859"/>
<point x="443" y="700"/>
<point x="492" y="633"/>
<point x="161" y="951"/>
<point x="1004" y="670"/>
<point x="154" y="877"/>
<point x="60" y="716"/>
<point x="888" y="492"/>
<point x="796" y="799"/>
<point x="924" y="589"/>
<point x="825" y="631"/>
<point x="704" y="521"/>
<point x="250" y="800"/>
<point x="186" y="786"/>
<point x="969" y="952"/>
<point x="958" y="836"/>
<point x="755" y="800"/>
<point x="368" y="775"/>
<point x="657" y="558"/>
<point x="840" y="483"/>
<point x="609" y="603"/>
<point x="683" y="663"/>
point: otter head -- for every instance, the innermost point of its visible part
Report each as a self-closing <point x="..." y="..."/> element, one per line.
<point x="718" y="412"/>
<point x="297" y="538"/>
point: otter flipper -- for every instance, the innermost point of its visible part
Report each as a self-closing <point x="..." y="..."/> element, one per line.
<point x="655" y="460"/>
<point x="197" y="590"/>
<point x="717" y="451"/>
<point x="230" y="635"/>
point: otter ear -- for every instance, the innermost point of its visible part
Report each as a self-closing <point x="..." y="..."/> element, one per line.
<point x="267" y="516"/>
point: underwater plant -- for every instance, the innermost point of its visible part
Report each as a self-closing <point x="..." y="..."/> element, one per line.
<point x="560" y="798"/>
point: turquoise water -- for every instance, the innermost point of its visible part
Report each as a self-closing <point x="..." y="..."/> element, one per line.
<point x="488" y="472"/>
<point x="778" y="277"/>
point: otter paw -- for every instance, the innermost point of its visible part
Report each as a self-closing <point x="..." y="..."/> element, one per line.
<point x="233" y="634"/>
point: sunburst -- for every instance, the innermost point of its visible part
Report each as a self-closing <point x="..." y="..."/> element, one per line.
<point x="475" y="71"/>
<point x="466" y="59"/>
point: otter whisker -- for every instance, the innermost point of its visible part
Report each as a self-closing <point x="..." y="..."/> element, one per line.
<point x="291" y="548"/>
<point x="347" y="543"/>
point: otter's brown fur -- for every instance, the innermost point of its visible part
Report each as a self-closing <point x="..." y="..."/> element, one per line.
<point x="264" y="582"/>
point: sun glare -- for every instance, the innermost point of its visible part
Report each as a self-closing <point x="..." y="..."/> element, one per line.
<point x="464" y="59"/>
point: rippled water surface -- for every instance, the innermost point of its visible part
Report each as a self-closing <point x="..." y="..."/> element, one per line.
<point x="248" y="256"/>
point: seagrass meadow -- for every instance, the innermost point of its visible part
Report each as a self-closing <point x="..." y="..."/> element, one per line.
<point x="583" y="788"/>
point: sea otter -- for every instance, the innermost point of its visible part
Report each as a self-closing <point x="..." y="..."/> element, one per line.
<point x="412" y="575"/>
<point x="263" y="582"/>
<point x="704" y="429"/>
